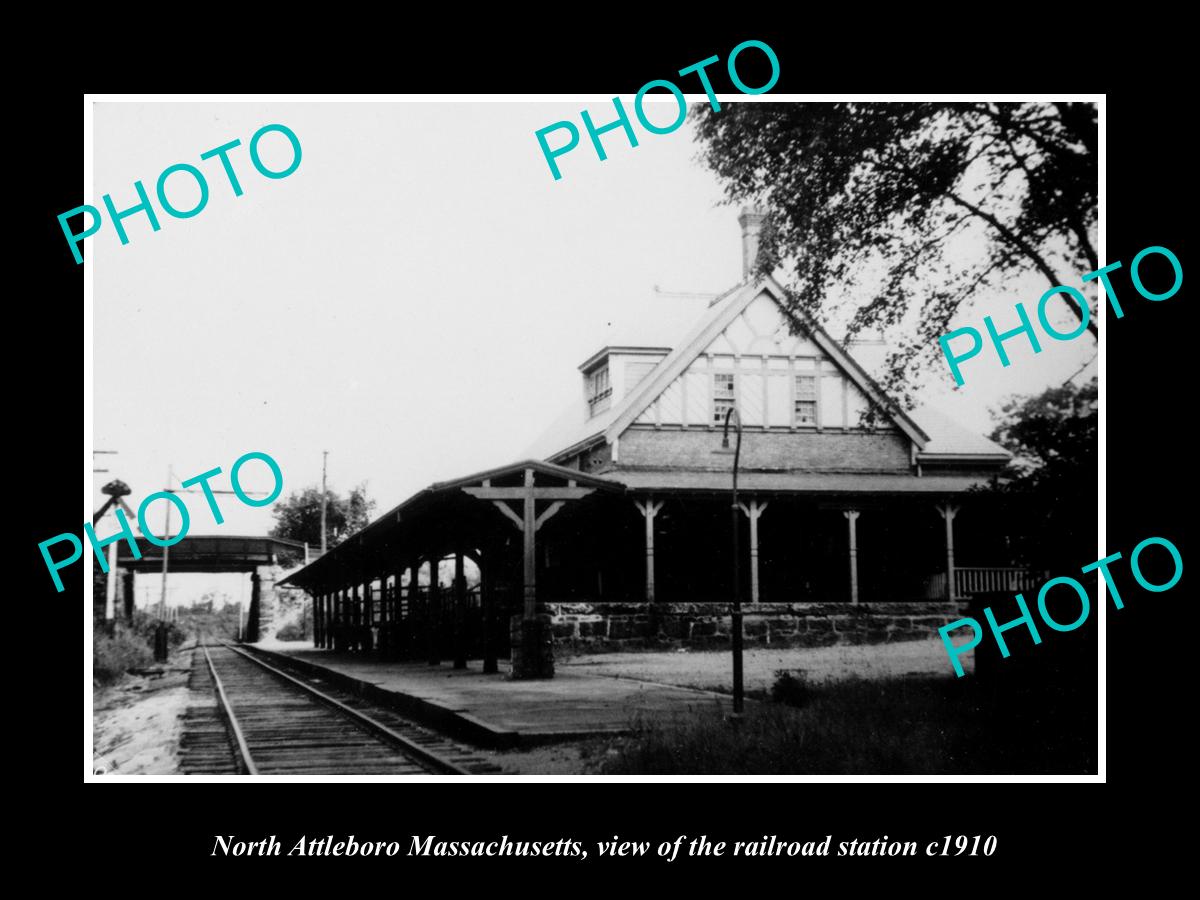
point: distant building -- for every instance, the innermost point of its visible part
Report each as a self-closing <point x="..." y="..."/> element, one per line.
<point x="616" y="531"/>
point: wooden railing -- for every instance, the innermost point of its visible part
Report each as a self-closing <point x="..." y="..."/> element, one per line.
<point x="972" y="580"/>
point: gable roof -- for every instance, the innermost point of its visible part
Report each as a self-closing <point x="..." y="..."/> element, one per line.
<point x="718" y="316"/>
<point x="934" y="433"/>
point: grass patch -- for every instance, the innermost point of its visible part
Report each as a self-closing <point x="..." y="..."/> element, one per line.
<point x="130" y="646"/>
<point x="914" y="725"/>
<point x="113" y="655"/>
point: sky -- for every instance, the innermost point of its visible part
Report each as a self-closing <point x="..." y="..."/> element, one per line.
<point x="415" y="298"/>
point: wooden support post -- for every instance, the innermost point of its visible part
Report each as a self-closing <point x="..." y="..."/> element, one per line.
<point x="388" y="616"/>
<point x="127" y="583"/>
<point x="366" y="638"/>
<point x="948" y="512"/>
<point x="649" y="509"/>
<point x="852" y="517"/>
<point x="532" y="642"/>
<point x="367" y="611"/>
<point x="339" y="632"/>
<point x="753" y="509"/>
<point x="110" y="589"/>
<point x="345" y="610"/>
<point x="255" y="608"/>
<point x="381" y="621"/>
<point x="394" y="615"/>
<point x="487" y="601"/>
<point x="433" y="616"/>
<point x="415" y="613"/>
<point x="529" y="530"/>
<point x="364" y="613"/>
<point x="403" y="617"/>
<point x="460" y="612"/>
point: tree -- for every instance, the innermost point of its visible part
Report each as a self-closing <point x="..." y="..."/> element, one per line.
<point x="1052" y="476"/>
<point x="914" y="206"/>
<point x="299" y="516"/>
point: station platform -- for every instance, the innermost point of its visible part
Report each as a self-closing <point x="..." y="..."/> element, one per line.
<point x="493" y="710"/>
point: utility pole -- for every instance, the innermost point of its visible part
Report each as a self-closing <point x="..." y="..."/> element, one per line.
<point x="324" y="497"/>
<point x="735" y="630"/>
<point x="162" y="603"/>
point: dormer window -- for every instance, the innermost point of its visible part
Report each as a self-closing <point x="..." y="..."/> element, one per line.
<point x="599" y="390"/>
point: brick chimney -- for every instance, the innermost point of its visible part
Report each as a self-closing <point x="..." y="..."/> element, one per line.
<point x="751" y="220"/>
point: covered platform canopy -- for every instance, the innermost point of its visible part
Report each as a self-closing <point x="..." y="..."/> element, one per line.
<point x="449" y="515"/>
<point x="491" y="517"/>
<point x="607" y="535"/>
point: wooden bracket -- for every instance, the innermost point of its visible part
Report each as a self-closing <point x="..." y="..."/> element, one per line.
<point x="507" y="510"/>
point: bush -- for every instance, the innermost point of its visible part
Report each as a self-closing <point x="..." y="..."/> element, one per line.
<point x="292" y="631"/>
<point x="113" y="656"/>
<point x="791" y="688"/>
<point x="144" y="626"/>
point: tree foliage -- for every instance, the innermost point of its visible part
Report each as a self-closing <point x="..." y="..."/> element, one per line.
<point x="1055" y="430"/>
<point x="1052" y="477"/>
<point x="299" y="516"/>
<point x="915" y="207"/>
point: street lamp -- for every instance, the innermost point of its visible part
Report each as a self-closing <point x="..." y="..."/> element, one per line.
<point x="736" y="613"/>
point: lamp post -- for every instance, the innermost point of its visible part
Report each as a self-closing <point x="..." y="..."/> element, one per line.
<point x="736" y="612"/>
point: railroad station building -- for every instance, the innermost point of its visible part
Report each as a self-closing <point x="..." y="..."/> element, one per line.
<point x="616" y="531"/>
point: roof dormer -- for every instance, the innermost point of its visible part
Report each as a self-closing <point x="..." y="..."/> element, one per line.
<point x="613" y="372"/>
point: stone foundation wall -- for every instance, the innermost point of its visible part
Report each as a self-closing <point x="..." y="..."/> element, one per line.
<point x="600" y="627"/>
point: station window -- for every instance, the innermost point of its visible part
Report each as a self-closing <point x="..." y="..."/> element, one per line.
<point x="806" y="400"/>
<point x="723" y="396"/>
<point x="599" y="390"/>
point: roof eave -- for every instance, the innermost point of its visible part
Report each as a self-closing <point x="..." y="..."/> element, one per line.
<point x="620" y="348"/>
<point x="578" y="447"/>
<point x="999" y="458"/>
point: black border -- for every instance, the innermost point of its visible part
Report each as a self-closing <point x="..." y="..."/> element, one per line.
<point x="1037" y="824"/>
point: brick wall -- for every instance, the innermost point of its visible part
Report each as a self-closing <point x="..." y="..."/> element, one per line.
<point x="599" y="627"/>
<point x="829" y="450"/>
<point x="596" y="459"/>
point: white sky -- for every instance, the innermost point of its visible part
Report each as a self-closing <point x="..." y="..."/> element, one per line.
<point x="415" y="298"/>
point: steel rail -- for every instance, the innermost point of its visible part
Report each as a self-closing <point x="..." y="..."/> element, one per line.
<point x="227" y="711"/>
<point x="378" y="728"/>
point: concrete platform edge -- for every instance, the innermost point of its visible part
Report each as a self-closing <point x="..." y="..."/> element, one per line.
<point x="459" y="725"/>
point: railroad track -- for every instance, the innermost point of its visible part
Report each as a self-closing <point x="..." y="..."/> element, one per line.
<point x="268" y="721"/>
